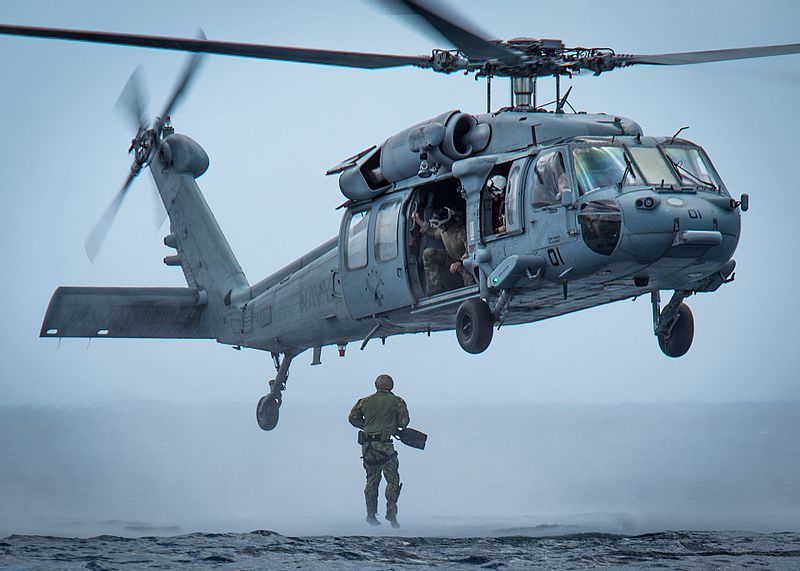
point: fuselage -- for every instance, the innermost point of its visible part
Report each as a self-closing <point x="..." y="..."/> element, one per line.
<point x="593" y="212"/>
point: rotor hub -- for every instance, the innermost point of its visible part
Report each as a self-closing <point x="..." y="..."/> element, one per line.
<point x="142" y="147"/>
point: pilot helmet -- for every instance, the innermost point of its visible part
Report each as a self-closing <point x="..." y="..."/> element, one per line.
<point x="497" y="184"/>
<point x="441" y="216"/>
<point x="384" y="382"/>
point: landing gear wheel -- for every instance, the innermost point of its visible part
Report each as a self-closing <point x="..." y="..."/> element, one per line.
<point x="474" y="326"/>
<point x="267" y="411"/>
<point x="677" y="343"/>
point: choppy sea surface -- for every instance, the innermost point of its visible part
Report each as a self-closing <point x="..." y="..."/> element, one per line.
<point x="517" y="486"/>
<point x="523" y="550"/>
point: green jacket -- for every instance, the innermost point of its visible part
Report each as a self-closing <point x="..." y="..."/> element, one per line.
<point x="380" y="413"/>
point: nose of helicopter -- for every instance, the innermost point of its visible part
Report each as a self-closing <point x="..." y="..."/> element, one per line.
<point x="678" y="228"/>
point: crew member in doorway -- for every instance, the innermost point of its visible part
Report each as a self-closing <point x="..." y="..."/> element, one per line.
<point x="496" y="185"/>
<point x="379" y="416"/>
<point x="446" y="226"/>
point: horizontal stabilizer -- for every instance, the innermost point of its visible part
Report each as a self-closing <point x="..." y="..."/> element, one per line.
<point x="155" y="313"/>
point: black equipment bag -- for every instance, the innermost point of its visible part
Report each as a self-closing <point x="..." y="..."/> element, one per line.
<point x="413" y="438"/>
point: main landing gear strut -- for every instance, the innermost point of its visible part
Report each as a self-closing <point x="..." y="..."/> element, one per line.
<point x="674" y="325"/>
<point x="269" y="405"/>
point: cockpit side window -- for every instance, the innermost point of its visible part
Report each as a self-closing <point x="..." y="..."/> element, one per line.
<point x="512" y="213"/>
<point x="548" y="179"/>
<point x="601" y="167"/>
<point x="501" y="209"/>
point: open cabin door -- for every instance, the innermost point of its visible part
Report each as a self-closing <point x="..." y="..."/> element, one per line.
<point x="373" y="257"/>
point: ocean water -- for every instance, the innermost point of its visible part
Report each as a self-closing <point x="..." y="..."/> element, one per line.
<point x="270" y="550"/>
<point x="155" y="485"/>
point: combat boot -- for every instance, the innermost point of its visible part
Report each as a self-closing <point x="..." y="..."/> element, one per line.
<point x="392" y="519"/>
<point x="372" y="520"/>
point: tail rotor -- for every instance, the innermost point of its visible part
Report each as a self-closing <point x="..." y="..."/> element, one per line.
<point x="132" y="104"/>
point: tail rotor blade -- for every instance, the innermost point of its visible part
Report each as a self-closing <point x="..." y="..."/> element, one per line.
<point x="98" y="235"/>
<point x="184" y="82"/>
<point x="132" y="102"/>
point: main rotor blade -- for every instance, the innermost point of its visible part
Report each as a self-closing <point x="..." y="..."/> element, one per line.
<point x="282" y="53"/>
<point x="186" y="80"/>
<point x="684" y="58"/>
<point x="95" y="240"/>
<point x="131" y="101"/>
<point x="457" y="31"/>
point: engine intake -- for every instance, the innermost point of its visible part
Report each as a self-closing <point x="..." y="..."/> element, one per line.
<point x="422" y="149"/>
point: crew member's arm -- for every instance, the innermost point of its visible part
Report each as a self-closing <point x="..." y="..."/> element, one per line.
<point x="425" y="226"/>
<point x="356" y="417"/>
<point x="402" y="413"/>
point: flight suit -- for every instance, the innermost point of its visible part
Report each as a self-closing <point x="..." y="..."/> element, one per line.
<point x="436" y="262"/>
<point x="379" y="416"/>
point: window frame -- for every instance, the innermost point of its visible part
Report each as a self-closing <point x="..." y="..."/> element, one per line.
<point x="530" y="176"/>
<point x="712" y="170"/>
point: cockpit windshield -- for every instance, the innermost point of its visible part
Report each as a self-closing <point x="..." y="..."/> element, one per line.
<point x="670" y="166"/>
<point x="601" y="167"/>
<point x="653" y="167"/>
<point x="692" y="167"/>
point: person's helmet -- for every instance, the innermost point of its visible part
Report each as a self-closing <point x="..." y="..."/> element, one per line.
<point x="497" y="184"/>
<point x="440" y="216"/>
<point x="384" y="382"/>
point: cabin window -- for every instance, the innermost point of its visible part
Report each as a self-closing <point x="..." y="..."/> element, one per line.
<point x="692" y="167"/>
<point x="653" y="167"/>
<point x="601" y="167"/>
<point x="386" y="231"/>
<point x="499" y="200"/>
<point x="512" y="198"/>
<point x="356" y="252"/>
<point x="548" y="178"/>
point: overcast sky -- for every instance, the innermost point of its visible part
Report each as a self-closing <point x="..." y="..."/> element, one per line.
<point x="272" y="129"/>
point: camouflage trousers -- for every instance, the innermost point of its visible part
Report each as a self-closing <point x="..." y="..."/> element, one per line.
<point x="436" y="263"/>
<point x="373" y="453"/>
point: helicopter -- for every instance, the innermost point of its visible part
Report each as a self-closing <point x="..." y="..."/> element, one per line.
<point x="575" y="248"/>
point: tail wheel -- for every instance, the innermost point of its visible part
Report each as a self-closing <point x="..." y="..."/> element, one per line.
<point x="474" y="325"/>
<point x="267" y="411"/>
<point x="680" y="337"/>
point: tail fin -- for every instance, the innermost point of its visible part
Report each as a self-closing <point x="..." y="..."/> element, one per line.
<point x="203" y="253"/>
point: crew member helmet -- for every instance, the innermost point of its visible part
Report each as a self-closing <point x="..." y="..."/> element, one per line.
<point x="497" y="184"/>
<point x="384" y="382"/>
<point x="441" y="216"/>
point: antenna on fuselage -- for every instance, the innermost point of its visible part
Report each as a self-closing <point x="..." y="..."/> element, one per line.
<point x="558" y="89"/>
<point x="681" y="130"/>
<point x="563" y="101"/>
